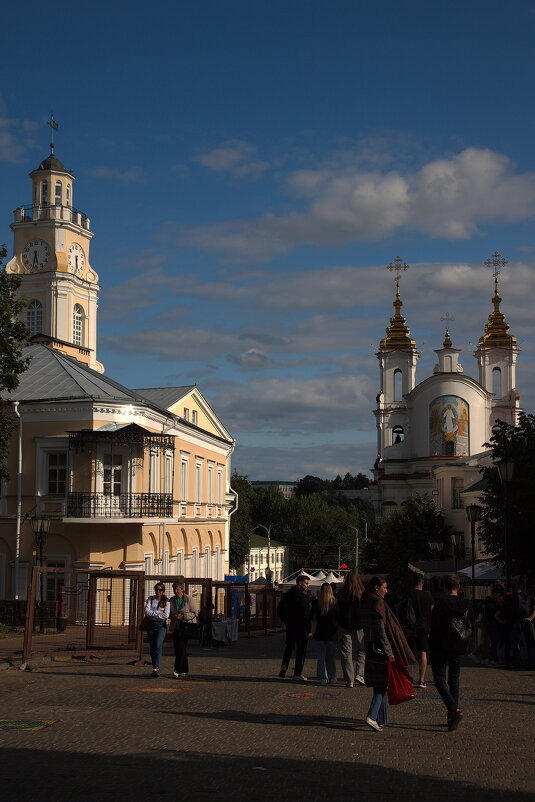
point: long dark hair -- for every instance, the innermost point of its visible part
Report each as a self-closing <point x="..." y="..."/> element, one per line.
<point x="352" y="587"/>
<point x="375" y="582"/>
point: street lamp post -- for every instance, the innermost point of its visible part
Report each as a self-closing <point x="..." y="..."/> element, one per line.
<point x="473" y="513"/>
<point x="267" y="530"/>
<point x="40" y="530"/>
<point x="506" y="467"/>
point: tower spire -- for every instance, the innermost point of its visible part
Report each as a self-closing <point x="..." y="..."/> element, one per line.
<point x="496" y="331"/>
<point x="53" y="127"/>
<point x="397" y="333"/>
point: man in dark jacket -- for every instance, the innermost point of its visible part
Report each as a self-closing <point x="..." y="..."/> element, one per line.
<point x="452" y="620"/>
<point x="294" y="612"/>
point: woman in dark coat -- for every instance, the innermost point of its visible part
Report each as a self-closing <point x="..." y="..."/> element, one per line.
<point x="182" y="610"/>
<point x="383" y="632"/>
<point x="325" y="614"/>
<point x="350" y="634"/>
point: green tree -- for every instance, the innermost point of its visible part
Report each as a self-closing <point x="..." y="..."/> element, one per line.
<point x="13" y="337"/>
<point x="403" y="536"/>
<point x="517" y="443"/>
<point x="240" y="522"/>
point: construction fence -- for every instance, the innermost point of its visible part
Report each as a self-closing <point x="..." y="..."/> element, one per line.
<point x="101" y="611"/>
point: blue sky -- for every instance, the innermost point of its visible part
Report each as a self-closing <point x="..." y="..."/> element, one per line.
<point x="251" y="167"/>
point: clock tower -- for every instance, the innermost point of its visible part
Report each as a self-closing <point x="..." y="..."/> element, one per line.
<point x="51" y="253"/>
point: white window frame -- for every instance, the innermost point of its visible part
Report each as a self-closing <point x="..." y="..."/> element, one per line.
<point x="194" y="417"/>
<point x="195" y="562"/>
<point x="78" y="325"/>
<point x="168" y="473"/>
<point x="34" y="316"/>
<point x="207" y="562"/>
<point x="186" y="413"/>
<point x="153" y="471"/>
<point x="180" y="562"/>
<point x="184" y="471"/>
<point x="46" y="446"/>
<point x="220" y="485"/>
<point x="198" y="480"/>
<point x="210" y="489"/>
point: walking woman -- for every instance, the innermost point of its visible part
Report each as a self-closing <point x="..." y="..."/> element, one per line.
<point x="385" y="641"/>
<point x="182" y="610"/>
<point x="325" y="613"/>
<point x="156" y="614"/>
<point x="350" y="633"/>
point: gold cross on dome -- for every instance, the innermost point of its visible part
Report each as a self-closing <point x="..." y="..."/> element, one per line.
<point x="447" y="319"/>
<point x="496" y="262"/>
<point x="397" y="265"/>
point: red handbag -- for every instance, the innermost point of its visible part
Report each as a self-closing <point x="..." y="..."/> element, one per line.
<point x="399" y="683"/>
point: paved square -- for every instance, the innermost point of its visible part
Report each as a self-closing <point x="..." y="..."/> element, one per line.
<point x="241" y="732"/>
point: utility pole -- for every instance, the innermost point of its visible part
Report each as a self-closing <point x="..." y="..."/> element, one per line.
<point x="356" y="550"/>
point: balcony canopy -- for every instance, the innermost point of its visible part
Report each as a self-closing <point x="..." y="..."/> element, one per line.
<point x="121" y="434"/>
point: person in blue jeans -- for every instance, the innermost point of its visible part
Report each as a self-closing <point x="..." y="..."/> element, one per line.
<point x="385" y="642"/>
<point x="325" y="614"/>
<point x="157" y="609"/>
<point x="446" y="651"/>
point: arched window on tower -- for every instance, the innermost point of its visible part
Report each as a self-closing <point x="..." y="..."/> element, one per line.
<point x="44" y="193"/>
<point x="68" y="193"/>
<point x="398" y="387"/>
<point x="34" y="317"/>
<point x="78" y="318"/>
<point x="57" y="194"/>
<point x="397" y="435"/>
<point x="497" y="382"/>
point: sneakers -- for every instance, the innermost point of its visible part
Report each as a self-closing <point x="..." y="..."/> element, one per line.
<point x="374" y="725"/>
<point x="324" y="682"/>
<point x="176" y="675"/>
<point x="299" y="678"/>
<point x="282" y="672"/>
<point x="360" y="680"/>
<point x="454" y="720"/>
<point x="349" y="684"/>
<point x="155" y="673"/>
<point x="420" y="684"/>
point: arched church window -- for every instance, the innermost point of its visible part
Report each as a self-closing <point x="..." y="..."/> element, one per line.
<point x="78" y="325"/>
<point x="44" y="193"/>
<point x="57" y="196"/>
<point x="397" y="435"/>
<point x="398" y="389"/>
<point x="34" y="317"/>
<point x="497" y="382"/>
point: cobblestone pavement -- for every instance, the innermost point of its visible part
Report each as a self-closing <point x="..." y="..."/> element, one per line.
<point x="234" y="730"/>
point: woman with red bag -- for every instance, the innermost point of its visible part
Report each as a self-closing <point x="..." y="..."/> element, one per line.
<point x="385" y="642"/>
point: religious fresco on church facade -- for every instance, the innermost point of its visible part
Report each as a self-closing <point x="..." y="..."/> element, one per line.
<point x="448" y="426"/>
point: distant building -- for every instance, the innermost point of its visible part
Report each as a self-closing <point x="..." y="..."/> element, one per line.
<point x="258" y="558"/>
<point x="286" y="488"/>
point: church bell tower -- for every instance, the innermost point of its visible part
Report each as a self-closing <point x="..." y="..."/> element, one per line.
<point x="51" y="253"/>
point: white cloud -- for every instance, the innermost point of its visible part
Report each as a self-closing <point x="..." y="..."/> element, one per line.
<point x="451" y="198"/>
<point x="16" y="138"/>
<point x="134" y="175"/>
<point x="235" y="156"/>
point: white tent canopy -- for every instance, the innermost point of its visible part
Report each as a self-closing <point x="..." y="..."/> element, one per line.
<point x="484" y="570"/>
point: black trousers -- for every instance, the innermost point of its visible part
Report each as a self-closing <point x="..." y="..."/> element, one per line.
<point x="181" y="658"/>
<point x="296" y="637"/>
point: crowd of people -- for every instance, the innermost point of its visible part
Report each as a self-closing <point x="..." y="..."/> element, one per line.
<point x="364" y="627"/>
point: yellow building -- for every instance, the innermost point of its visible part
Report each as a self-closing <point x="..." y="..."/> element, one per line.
<point x="131" y="479"/>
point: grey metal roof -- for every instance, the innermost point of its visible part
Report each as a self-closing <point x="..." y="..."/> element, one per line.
<point x="56" y="376"/>
<point x="164" y="397"/>
<point x="53" y="163"/>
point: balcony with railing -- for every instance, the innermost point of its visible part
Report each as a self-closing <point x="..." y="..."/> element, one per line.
<point x="29" y="214"/>
<point x="122" y="505"/>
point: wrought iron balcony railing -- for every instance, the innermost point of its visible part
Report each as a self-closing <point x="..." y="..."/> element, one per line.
<point x="124" y="505"/>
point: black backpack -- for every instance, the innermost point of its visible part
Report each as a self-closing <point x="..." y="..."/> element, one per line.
<point x="459" y="633"/>
<point x="407" y="616"/>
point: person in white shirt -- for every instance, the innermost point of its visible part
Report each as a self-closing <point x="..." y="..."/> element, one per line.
<point x="157" y="609"/>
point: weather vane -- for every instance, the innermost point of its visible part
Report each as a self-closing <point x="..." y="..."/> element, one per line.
<point x="397" y="265"/>
<point x="53" y="127"/>
<point x="496" y="262"/>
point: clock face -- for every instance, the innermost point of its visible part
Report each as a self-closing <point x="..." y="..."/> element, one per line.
<point x="76" y="259"/>
<point x="36" y="254"/>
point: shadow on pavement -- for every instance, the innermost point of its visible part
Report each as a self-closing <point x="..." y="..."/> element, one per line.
<point x="164" y="772"/>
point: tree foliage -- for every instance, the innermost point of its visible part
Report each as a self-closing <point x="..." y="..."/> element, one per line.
<point x="13" y="337"/>
<point x="403" y="536"/>
<point x="240" y="522"/>
<point x="518" y="443"/>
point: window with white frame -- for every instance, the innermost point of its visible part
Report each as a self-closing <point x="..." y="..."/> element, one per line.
<point x="180" y="562"/>
<point x="194" y="416"/>
<point x="220" y="486"/>
<point x="184" y="477"/>
<point x="168" y="476"/>
<point x="195" y="563"/>
<point x="34" y="317"/>
<point x="153" y="472"/>
<point x="57" y="194"/>
<point x="186" y="413"/>
<point x="210" y="484"/>
<point x="198" y="482"/>
<point x="56" y="473"/>
<point x="68" y="194"/>
<point x="78" y="325"/>
<point x="44" y="193"/>
<point x="207" y="566"/>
